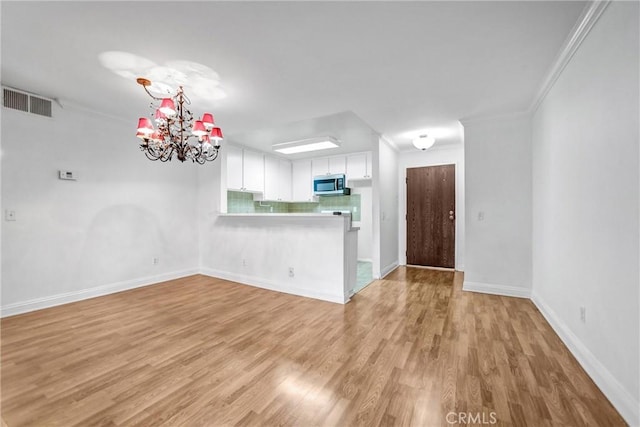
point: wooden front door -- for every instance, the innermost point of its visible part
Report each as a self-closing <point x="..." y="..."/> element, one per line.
<point x="431" y="213"/>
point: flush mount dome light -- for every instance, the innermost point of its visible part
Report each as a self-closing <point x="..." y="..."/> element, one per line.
<point x="424" y="142"/>
<point x="304" y="145"/>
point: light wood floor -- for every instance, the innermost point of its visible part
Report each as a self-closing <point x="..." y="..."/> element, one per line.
<point x="407" y="350"/>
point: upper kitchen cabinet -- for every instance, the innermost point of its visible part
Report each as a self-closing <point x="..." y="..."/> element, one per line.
<point x="234" y="167"/>
<point x="277" y="179"/>
<point x="329" y="165"/>
<point x="302" y="181"/>
<point x="359" y="166"/>
<point x="284" y="174"/>
<point x="245" y="170"/>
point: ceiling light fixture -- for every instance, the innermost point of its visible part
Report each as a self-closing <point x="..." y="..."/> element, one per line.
<point x="424" y="142"/>
<point x="305" y="145"/>
<point x="177" y="133"/>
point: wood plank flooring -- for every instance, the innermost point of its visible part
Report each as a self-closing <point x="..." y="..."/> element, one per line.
<point x="409" y="350"/>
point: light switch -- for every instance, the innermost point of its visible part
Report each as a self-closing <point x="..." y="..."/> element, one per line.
<point x="9" y="215"/>
<point x="67" y="175"/>
<point x="481" y="216"/>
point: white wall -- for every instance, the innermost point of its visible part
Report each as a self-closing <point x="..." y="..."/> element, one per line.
<point x="385" y="208"/>
<point x="498" y="186"/>
<point x="585" y="206"/>
<point x="99" y="234"/>
<point x="432" y="157"/>
<point x="365" y="234"/>
<point x="258" y="250"/>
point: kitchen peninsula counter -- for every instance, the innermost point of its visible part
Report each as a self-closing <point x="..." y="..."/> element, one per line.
<point x="294" y="215"/>
<point x="307" y="254"/>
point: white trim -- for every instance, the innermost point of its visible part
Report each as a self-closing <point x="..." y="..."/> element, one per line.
<point x="502" y="290"/>
<point x="390" y="142"/>
<point x="482" y="118"/>
<point x="620" y="397"/>
<point x="388" y="269"/>
<point x="83" y="108"/>
<point x="82" y="294"/>
<point x="585" y="23"/>
<point x="273" y="285"/>
<point x="365" y="260"/>
<point x="430" y="267"/>
<point x="402" y="207"/>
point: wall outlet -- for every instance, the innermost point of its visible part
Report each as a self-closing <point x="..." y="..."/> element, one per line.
<point x="244" y="262"/>
<point x="291" y="272"/>
<point x="155" y="261"/>
<point x="583" y="314"/>
<point x="9" y="215"/>
<point x="481" y="216"/>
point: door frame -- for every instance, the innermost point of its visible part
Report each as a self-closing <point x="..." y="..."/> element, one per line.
<point x="460" y="206"/>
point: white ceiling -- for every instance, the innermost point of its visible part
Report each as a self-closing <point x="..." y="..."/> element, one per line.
<point x="400" y="67"/>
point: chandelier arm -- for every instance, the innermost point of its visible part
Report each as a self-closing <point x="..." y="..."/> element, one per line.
<point x="149" y="152"/>
<point x="212" y="156"/>
<point x="167" y="153"/>
<point x="150" y="157"/>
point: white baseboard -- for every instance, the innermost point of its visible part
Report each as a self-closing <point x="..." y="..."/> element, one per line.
<point x="502" y="290"/>
<point x="617" y="394"/>
<point x="82" y="294"/>
<point x="273" y="285"/>
<point x="388" y="269"/>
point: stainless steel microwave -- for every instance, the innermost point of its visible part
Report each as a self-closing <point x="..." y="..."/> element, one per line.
<point x="330" y="185"/>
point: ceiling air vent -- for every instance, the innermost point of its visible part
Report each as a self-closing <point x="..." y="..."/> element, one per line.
<point x="26" y="102"/>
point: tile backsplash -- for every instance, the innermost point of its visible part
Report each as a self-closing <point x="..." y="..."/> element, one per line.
<point x="241" y="202"/>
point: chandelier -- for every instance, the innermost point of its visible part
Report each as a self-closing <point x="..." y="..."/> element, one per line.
<point x="177" y="133"/>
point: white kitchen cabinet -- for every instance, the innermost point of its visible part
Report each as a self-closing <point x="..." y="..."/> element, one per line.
<point x="234" y="168"/>
<point x="271" y="178"/>
<point x="284" y="178"/>
<point x="359" y="166"/>
<point x="245" y="170"/>
<point x="320" y="166"/>
<point x="328" y="165"/>
<point x="253" y="171"/>
<point x="337" y="164"/>
<point x="277" y="179"/>
<point x="302" y="181"/>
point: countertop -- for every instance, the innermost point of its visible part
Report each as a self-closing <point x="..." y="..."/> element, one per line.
<point x="309" y="214"/>
<point x="346" y="216"/>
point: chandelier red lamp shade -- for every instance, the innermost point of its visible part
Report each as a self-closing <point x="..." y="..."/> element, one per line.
<point x="177" y="132"/>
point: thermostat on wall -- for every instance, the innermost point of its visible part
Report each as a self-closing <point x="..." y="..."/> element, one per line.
<point x="68" y="175"/>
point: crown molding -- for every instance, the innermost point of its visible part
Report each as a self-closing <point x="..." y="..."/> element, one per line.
<point x="589" y="17"/>
<point x="495" y="117"/>
<point x="390" y="142"/>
